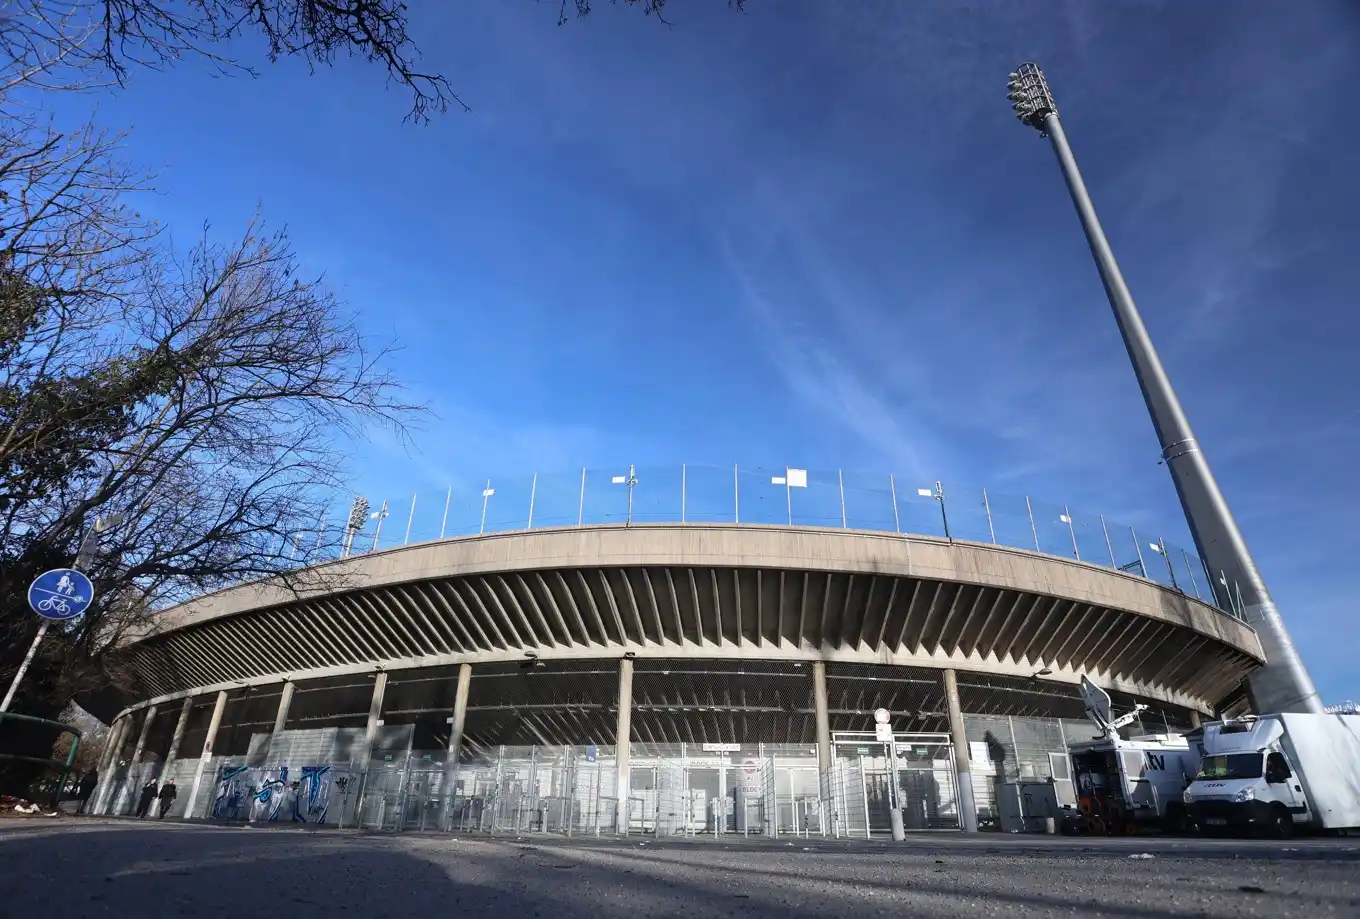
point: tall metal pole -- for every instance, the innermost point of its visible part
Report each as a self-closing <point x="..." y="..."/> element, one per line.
<point x="377" y="531"/>
<point x="23" y="668"/>
<point x="1283" y="684"/>
<point x="410" y="519"/>
<point x="631" y="483"/>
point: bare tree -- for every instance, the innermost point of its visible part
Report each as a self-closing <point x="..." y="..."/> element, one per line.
<point x="61" y="44"/>
<point x="218" y="420"/>
<point x="656" y="8"/>
<point x="208" y="396"/>
<point x="68" y="43"/>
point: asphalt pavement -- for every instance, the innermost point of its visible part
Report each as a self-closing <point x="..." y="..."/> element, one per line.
<point x="77" y="869"/>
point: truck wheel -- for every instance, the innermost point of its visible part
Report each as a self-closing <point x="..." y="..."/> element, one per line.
<point x="1281" y="825"/>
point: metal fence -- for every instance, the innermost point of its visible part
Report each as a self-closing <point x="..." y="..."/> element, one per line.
<point x="692" y="493"/>
<point x="692" y="790"/>
<point x="769" y="790"/>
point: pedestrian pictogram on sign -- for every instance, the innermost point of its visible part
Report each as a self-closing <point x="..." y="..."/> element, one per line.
<point x="62" y="593"/>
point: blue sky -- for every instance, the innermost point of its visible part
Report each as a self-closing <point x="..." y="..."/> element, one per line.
<point x="813" y="234"/>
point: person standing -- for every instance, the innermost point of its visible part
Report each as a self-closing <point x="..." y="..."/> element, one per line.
<point x="168" y="794"/>
<point x="148" y="795"/>
<point x="86" y="788"/>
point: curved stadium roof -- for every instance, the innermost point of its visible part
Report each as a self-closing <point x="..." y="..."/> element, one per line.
<point x="715" y="591"/>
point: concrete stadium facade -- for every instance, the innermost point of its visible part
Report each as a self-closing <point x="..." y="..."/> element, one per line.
<point x="736" y="664"/>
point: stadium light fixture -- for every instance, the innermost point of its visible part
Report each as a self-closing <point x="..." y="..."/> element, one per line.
<point x="358" y="515"/>
<point x="1283" y="684"/>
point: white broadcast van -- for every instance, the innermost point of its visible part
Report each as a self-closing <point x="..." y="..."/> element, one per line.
<point x="1276" y="773"/>
<point x="1126" y="785"/>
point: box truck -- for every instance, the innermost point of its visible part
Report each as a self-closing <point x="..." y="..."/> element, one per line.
<point x="1121" y="785"/>
<point x="1278" y="773"/>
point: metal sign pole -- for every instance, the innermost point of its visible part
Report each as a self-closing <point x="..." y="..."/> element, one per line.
<point x="23" y="668"/>
<point x="62" y="593"/>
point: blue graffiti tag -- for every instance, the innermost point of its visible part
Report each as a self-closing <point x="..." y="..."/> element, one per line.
<point x="313" y="784"/>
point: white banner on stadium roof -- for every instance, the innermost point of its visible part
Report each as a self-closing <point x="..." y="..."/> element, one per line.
<point x="792" y="478"/>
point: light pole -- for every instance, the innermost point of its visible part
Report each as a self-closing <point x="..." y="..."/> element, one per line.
<point x="358" y="516"/>
<point x="1283" y="684"/>
<point x="631" y="481"/>
<point x="938" y="495"/>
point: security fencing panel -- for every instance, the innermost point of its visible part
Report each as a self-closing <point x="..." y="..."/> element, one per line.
<point x="546" y="789"/>
<point x="1006" y="749"/>
<point x="626" y="494"/>
<point x="850" y="800"/>
<point x="914" y="774"/>
<point x="797" y="806"/>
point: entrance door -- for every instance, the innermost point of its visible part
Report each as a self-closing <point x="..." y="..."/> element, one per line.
<point x="878" y="797"/>
<point x="704" y="789"/>
<point x="642" y="800"/>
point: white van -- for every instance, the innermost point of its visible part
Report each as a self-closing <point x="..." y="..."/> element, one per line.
<point x="1276" y="773"/>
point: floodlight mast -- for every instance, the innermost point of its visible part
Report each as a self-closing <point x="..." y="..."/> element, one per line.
<point x="1283" y="684"/>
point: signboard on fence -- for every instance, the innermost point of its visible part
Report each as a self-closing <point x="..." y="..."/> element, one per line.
<point x="751" y="782"/>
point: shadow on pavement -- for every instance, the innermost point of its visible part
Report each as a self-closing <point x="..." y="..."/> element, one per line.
<point x="94" y="868"/>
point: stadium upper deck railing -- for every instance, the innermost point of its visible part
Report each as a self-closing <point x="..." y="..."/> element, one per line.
<point x="692" y="493"/>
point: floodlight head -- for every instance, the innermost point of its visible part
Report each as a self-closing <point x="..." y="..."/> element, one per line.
<point x="1030" y="96"/>
<point x="358" y="513"/>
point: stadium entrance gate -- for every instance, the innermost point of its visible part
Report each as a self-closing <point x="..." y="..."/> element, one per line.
<point x="862" y="783"/>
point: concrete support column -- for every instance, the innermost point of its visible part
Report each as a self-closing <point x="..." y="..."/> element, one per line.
<point x="128" y="791"/>
<point x="823" y="732"/>
<point x="456" y="722"/>
<point x="1194" y="719"/>
<point x="206" y="754"/>
<point x="109" y="762"/>
<point x="375" y="707"/>
<point x="621" y="737"/>
<point x="963" y="765"/>
<point x="177" y="737"/>
<point x="280" y="716"/>
<point x="460" y="701"/>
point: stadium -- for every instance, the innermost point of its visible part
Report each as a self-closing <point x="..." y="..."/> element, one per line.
<point x="651" y="667"/>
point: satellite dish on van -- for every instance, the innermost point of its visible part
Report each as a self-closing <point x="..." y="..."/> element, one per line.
<point x="1098" y="706"/>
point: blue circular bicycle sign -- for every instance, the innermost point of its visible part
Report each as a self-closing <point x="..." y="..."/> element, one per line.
<point x="62" y="593"/>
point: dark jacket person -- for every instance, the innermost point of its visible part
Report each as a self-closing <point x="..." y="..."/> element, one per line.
<point x="148" y="795"/>
<point x="168" y="794"/>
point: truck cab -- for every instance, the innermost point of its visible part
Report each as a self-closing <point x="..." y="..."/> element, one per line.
<point x="1276" y="773"/>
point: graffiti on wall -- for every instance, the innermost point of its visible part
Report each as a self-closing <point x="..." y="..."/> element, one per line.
<point x="317" y="784"/>
<point x="264" y="795"/>
<point x="234" y="787"/>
